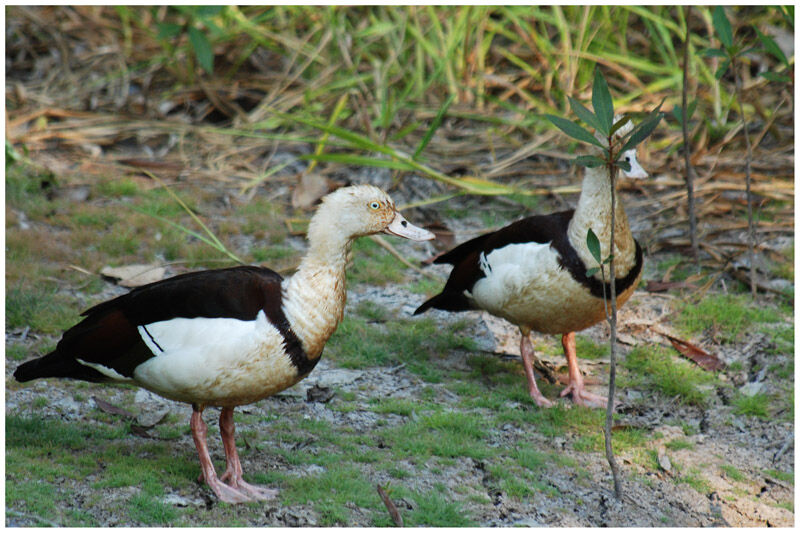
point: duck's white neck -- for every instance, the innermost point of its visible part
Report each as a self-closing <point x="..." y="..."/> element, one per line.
<point x="314" y="297"/>
<point x="594" y="211"/>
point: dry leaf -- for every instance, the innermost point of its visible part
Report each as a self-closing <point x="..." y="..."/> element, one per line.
<point x="308" y="190"/>
<point x="661" y="286"/>
<point x="111" y="409"/>
<point x="390" y="506"/>
<point x="134" y="275"/>
<point x="445" y="239"/>
<point x="705" y="360"/>
<point x="149" y="419"/>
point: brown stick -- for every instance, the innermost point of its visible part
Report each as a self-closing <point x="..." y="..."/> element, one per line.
<point x="687" y="146"/>
<point x="751" y="232"/>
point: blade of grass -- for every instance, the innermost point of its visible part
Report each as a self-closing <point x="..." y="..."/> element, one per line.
<point x="214" y="241"/>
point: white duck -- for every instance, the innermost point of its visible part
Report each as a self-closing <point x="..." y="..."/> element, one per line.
<point x="533" y="273"/>
<point x="227" y="337"/>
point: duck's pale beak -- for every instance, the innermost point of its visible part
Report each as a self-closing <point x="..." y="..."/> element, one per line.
<point x="403" y="228"/>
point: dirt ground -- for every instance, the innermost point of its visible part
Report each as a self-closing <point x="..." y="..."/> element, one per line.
<point x="578" y="495"/>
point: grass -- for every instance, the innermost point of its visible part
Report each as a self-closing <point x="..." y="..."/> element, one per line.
<point x="727" y="316"/>
<point x="756" y="405"/>
<point x="442" y="434"/>
<point x="656" y="369"/>
<point x="733" y="473"/>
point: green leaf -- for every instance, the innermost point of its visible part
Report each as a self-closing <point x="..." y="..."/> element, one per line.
<point x="437" y="121"/>
<point x="643" y="130"/>
<point x="722" y="26"/>
<point x="602" y="103"/>
<point x="167" y="30"/>
<point x="772" y="47"/>
<point x="593" y="244"/>
<point x="592" y="271"/>
<point x="202" y="49"/>
<point x="713" y="52"/>
<point x="774" y="76"/>
<point x="722" y="69"/>
<point x="608" y="259"/>
<point x="590" y="161"/>
<point x="624" y="165"/>
<point x="583" y="113"/>
<point x="574" y="130"/>
<point x="618" y="124"/>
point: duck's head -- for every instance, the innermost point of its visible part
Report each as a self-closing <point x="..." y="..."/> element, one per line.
<point x="363" y="210"/>
<point x="629" y="156"/>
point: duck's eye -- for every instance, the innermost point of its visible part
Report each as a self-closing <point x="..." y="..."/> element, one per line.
<point x="375" y="205"/>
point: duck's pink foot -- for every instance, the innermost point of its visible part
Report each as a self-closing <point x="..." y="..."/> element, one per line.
<point x="581" y="396"/>
<point x="226" y="493"/>
<point x="540" y="400"/>
<point x="253" y="491"/>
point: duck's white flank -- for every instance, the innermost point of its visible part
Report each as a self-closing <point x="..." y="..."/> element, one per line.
<point x="215" y="361"/>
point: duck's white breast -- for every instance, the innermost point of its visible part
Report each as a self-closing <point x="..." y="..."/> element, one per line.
<point x="215" y="361"/>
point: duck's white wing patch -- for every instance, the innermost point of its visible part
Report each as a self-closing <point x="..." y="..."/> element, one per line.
<point x="508" y="270"/>
<point x="106" y="371"/>
<point x="203" y="359"/>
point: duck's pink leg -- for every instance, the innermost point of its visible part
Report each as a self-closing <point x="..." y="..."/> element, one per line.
<point x="575" y="387"/>
<point x="526" y="351"/>
<point x="233" y="472"/>
<point x="199" y="433"/>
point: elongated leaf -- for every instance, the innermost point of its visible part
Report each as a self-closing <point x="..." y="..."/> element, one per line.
<point x="624" y="165"/>
<point x="583" y="113"/>
<point x="602" y="103"/>
<point x="202" y="49"/>
<point x="643" y="130"/>
<point x="772" y="47"/>
<point x="593" y="244"/>
<point x="722" y="26"/>
<point x="359" y="160"/>
<point x="167" y="30"/>
<point x="590" y="161"/>
<point x="713" y="52"/>
<point x="677" y="114"/>
<point x="618" y="124"/>
<point x="574" y="130"/>
<point x="437" y="121"/>
<point x="774" y="76"/>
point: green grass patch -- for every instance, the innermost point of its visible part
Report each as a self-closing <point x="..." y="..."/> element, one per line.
<point x="358" y="343"/>
<point x="40" y="308"/>
<point x="331" y="492"/>
<point x="679" y="444"/>
<point x="756" y="405"/>
<point x="733" y="473"/>
<point x="787" y="477"/>
<point x="654" y="368"/>
<point x="373" y="265"/>
<point x="726" y="315"/>
<point x="443" y="434"/>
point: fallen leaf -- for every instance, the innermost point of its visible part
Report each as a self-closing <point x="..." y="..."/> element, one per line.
<point x="661" y="286"/>
<point x="445" y="239"/>
<point x="308" y="190"/>
<point x="111" y="409"/>
<point x="149" y="419"/>
<point x="704" y="360"/>
<point x="390" y="506"/>
<point x="134" y="275"/>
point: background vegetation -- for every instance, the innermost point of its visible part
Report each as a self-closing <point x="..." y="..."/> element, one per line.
<point x="251" y="113"/>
